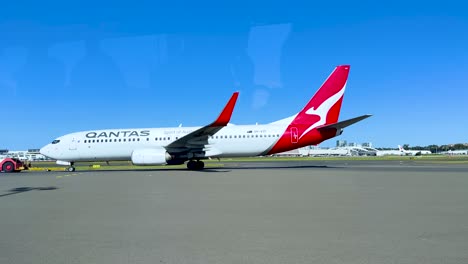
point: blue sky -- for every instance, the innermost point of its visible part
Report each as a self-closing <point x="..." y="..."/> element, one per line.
<point x="66" y="67"/>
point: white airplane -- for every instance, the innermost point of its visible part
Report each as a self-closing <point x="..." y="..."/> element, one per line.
<point x="389" y="153"/>
<point x="414" y="152"/>
<point x="316" y="122"/>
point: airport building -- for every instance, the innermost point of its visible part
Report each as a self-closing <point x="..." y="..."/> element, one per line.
<point x="299" y="152"/>
<point x="351" y="149"/>
<point x="455" y="152"/>
<point x="341" y="143"/>
<point x="29" y="155"/>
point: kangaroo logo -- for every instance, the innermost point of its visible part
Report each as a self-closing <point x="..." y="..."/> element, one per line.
<point x="294" y="135"/>
<point x="322" y="110"/>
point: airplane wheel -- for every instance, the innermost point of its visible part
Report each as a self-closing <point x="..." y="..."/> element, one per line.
<point x="191" y="165"/>
<point x="71" y="169"/>
<point x="195" y="165"/>
<point x="200" y="165"/>
<point x="8" y="166"/>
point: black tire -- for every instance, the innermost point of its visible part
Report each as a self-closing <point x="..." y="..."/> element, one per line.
<point x="71" y="169"/>
<point x="191" y="165"/>
<point x="200" y="165"/>
<point x="195" y="165"/>
<point x="8" y="166"/>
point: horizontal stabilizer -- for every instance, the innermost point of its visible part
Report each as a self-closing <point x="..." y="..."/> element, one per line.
<point x="343" y="124"/>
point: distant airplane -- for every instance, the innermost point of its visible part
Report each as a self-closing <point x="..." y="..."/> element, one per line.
<point x="316" y="122"/>
<point x="414" y="152"/>
<point x="389" y="153"/>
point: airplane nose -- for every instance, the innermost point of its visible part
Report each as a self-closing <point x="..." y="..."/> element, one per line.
<point x="45" y="150"/>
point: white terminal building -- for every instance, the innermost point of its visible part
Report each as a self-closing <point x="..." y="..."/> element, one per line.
<point x="342" y="149"/>
<point x="29" y="155"/>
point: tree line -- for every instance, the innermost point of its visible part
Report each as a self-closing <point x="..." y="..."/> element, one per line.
<point x="434" y="148"/>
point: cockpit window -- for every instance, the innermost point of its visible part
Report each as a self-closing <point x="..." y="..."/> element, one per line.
<point x="55" y="141"/>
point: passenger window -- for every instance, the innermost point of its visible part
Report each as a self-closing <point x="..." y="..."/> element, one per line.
<point x="120" y="140"/>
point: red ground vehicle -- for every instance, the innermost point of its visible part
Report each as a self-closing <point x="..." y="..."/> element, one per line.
<point x="11" y="165"/>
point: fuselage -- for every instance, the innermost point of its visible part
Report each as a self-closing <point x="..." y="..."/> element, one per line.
<point x="119" y="144"/>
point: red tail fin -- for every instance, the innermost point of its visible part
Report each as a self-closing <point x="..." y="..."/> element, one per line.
<point x="326" y="102"/>
<point x="322" y="109"/>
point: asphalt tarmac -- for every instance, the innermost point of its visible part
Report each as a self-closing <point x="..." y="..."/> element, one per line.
<point x="253" y="212"/>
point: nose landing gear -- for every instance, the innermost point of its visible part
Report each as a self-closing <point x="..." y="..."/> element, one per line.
<point x="71" y="168"/>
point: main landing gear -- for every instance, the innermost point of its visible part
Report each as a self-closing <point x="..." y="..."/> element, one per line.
<point x="195" y="165"/>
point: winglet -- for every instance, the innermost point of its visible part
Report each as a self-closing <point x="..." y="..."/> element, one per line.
<point x="225" y="116"/>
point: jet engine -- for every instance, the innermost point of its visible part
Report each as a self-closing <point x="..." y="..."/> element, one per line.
<point x="153" y="156"/>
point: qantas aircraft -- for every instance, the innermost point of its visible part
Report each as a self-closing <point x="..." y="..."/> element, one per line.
<point x="316" y="122"/>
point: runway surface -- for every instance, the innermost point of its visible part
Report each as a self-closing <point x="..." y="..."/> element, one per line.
<point x="252" y="212"/>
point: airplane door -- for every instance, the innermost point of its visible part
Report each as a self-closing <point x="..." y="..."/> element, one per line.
<point x="294" y="135"/>
<point x="73" y="144"/>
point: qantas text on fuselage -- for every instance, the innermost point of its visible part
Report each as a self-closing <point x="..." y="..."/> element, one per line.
<point x="316" y="122"/>
<point x="117" y="134"/>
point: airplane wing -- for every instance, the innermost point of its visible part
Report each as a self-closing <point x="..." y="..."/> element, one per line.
<point x="342" y="124"/>
<point x="198" y="139"/>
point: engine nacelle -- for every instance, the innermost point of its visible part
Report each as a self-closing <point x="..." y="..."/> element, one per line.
<point x="153" y="156"/>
